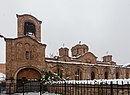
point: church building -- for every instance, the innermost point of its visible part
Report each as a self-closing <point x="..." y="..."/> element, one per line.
<point x="25" y="57"/>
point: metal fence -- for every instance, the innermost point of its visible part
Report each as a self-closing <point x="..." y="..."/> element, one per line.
<point x="78" y="88"/>
<point x="70" y="87"/>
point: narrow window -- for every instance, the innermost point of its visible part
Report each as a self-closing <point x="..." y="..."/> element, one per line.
<point x="19" y="51"/>
<point x="65" y="52"/>
<point x="106" y="75"/>
<point x="78" y="75"/>
<point x="92" y="75"/>
<point x="27" y="55"/>
<point x="83" y="50"/>
<point x="60" y="72"/>
<point x="117" y="75"/>
<point x="77" y="51"/>
<point x="127" y="75"/>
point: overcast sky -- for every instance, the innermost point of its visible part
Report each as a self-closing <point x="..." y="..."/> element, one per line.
<point x="103" y="25"/>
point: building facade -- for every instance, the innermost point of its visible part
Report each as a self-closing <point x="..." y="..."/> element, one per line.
<point x="25" y="57"/>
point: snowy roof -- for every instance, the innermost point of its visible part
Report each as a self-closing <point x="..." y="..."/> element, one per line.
<point x="2" y="76"/>
<point x="80" y="63"/>
<point x="127" y="65"/>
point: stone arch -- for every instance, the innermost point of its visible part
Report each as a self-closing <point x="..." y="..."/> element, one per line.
<point x="19" y="51"/>
<point x="33" y="52"/>
<point x="78" y="74"/>
<point x="27" y="46"/>
<point x="92" y="75"/>
<point x="58" y="69"/>
<point x="118" y="73"/>
<point x="106" y="72"/>
<point x="127" y="74"/>
<point x="105" y="75"/>
<point x="94" y="70"/>
<point x="28" y="72"/>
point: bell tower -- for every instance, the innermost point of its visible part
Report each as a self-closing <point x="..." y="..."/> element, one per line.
<point x="28" y="25"/>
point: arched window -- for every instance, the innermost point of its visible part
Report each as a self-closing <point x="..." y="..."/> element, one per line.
<point x="117" y="75"/>
<point x="27" y="51"/>
<point x="127" y="75"/>
<point x="29" y="28"/>
<point x="106" y="75"/>
<point x="60" y="72"/>
<point x="66" y="52"/>
<point x="33" y="53"/>
<point x="27" y="55"/>
<point x="78" y="75"/>
<point x="83" y="50"/>
<point x="19" y="51"/>
<point x="92" y="75"/>
<point x="77" y="51"/>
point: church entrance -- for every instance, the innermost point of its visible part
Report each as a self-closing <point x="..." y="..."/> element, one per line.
<point x="28" y="79"/>
<point x="29" y="74"/>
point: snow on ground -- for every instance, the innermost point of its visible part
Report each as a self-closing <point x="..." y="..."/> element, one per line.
<point x="36" y="93"/>
<point x="108" y="81"/>
<point x="33" y="93"/>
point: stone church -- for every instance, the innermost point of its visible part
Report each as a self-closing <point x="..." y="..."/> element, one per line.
<point x="25" y="57"/>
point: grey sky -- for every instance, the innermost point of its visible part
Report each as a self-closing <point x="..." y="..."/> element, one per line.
<point x="104" y="25"/>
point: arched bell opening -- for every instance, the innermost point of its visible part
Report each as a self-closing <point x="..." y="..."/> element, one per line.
<point x="29" y="28"/>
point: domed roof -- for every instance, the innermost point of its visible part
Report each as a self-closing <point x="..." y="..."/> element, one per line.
<point x="80" y="46"/>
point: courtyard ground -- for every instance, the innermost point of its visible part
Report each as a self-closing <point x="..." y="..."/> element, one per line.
<point x="31" y="93"/>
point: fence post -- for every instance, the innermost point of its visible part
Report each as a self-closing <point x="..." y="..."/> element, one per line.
<point x="40" y="88"/>
<point x="102" y="88"/>
<point x="117" y="87"/>
<point x="128" y="87"/>
<point x="98" y="87"/>
<point x="122" y="89"/>
<point x="106" y="87"/>
<point x="87" y="87"/>
<point x="65" y="87"/>
<point x="23" y="87"/>
<point x="94" y="87"/>
<point x="111" y="88"/>
<point x="9" y="88"/>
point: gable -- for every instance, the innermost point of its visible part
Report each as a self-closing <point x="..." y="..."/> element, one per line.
<point x="25" y="39"/>
<point x="88" y="58"/>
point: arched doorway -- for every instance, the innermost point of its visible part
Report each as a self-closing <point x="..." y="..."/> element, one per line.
<point x="29" y="79"/>
<point x="28" y="73"/>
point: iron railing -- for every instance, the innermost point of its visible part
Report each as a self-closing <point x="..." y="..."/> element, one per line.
<point x="70" y="87"/>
